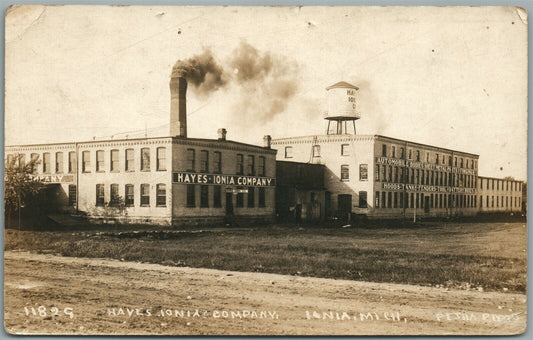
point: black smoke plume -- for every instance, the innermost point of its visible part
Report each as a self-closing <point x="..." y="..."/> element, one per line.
<point x="203" y="72"/>
<point x="266" y="83"/>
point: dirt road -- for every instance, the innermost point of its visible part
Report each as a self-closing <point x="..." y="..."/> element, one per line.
<point x="47" y="294"/>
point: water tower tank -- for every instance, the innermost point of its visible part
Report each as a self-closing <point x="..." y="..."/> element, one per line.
<point x="342" y="104"/>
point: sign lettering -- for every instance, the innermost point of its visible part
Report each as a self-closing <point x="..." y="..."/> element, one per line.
<point x="218" y="179"/>
<point x="427" y="188"/>
<point x="424" y="166"/>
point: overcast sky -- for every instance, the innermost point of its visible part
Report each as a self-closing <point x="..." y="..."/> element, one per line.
<point x="450" y="77"/>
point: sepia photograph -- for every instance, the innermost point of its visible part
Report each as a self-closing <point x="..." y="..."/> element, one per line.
<point x="265" y="170"/>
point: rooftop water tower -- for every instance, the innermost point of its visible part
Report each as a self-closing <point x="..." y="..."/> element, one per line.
<point x="341" y="108"/>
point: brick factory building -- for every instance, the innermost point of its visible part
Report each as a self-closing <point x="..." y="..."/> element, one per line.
<point x="167" y="180"/>
<point x="179" y="180"/>
<point x="383" y="177"/>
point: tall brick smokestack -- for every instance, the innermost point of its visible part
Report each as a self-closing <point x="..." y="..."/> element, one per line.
<point x="178" y="102"/>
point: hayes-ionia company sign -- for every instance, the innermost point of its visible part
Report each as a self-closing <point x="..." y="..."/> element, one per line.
<point x="219" y="179"/>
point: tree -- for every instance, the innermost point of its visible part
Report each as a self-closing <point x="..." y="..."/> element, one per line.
<point x="20" y="184"/>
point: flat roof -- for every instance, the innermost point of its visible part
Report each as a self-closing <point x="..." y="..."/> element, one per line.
<point x="142" y="139"/>
<point x="362" y="137"/>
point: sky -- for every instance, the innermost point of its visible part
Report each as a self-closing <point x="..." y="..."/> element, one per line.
<point x="450" y="77"/>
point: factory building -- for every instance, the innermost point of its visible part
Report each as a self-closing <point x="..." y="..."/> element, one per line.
<point x="383" y="177"/>
<point x="499" y="195"/>
<point x="166" y="180"/>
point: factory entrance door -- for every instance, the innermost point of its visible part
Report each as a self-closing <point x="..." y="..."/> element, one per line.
<point x="345" y="206"/>
<point x="229" y="204"/>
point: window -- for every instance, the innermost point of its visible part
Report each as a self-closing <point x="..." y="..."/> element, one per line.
<point x="383" y="199"/>
<point x="390" y="173"/>
<point x="410" y="154"/>
<point x="262" y="197"/>
<point x="9" y="160"/>
<point x="251" y="165"/>
<point x="393" y="150"/>
<point x="114" y="161"/>
<point x="204" y="196"/>
<point x="86" y="161"/>
<point x="72" y="162"/>
<point x="161" y="154"/>
<point x="130" y="158"/>
<point x="418" y="155"/>
<point x="288" y="152"/>
<point x="114" y="201"/>
<point x="161" y="195"/>
<point x="129" y="195"/>
<point x="402" y="153"/>
<point x="100" y="160"/>
<point x="240" y="164"/>
<point x="217" y="196"/>
<point x="59" y="162"/>
<point x="384" y="150"/>
<point x="427" y="157"/>
<point x="72" y="195"/>
<point x="217" y="162"/>
<point x="467" y="163"/>
<point x="22" y="161"/>
<point x="363" y="172"/>
<point x="450" y="160"/>
<point x="145" y="195"/>
<point x="362" y="199"/>
<point x="316" y="150"/>
<point x="100" y="198"/>
<point x="204" y="161"/>
<point x="191" y="195"/>
<point x="145" y="159"/>
<point x="437" y="159"/>
<point x="455" y="161"/>
<point x="389" y="200"/>
<point x="395" y="200"/>
<point x="345" y="172"/>
<point x="261" y="166"/>
<point x="34" y="158"/>
<point x="377" y="200"/>
<point x="396" y="174"/>
<point x="46" y="162"/>
<point x="345" y="151"/>
<point x="377" y="172"/>
<point x="240" y="200"/>
<point x="462" y="162"/>
<point x="251" y="197"/>
<point x="191" y="158"/>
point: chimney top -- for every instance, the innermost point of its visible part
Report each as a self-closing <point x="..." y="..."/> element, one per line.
<point x="267" y="141"/>
<point x="221" y="134"/>
<point x="178" y="70"/>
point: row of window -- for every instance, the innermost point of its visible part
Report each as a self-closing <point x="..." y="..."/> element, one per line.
<point x="114" y="166"/>
<point x="129" y="160"/>
<point x="396" y="174"/>
<point x="419" y="200"/>
<point x="412" y="200"/>
<point x="345" y="172"/>
<point x="216" y="192"/>
<point x="489" y="202"/>
<point x="412" y="154"/>
<point x="504" y="183"/>
<point x="217" y="163"/>
<point x="438" y="159"/>
<point x="129" y="195"/>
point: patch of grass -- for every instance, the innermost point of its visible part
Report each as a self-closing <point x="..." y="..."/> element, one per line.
<point x="487" y="255"/>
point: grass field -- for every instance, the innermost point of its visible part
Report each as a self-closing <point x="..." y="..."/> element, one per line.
<point x="489" y="256"/>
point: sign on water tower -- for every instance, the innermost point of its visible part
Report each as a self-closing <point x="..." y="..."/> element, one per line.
<point x="342" y="102"/>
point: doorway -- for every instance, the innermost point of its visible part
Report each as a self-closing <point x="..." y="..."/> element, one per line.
<point x="229" y="204"/>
